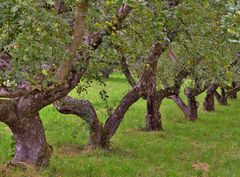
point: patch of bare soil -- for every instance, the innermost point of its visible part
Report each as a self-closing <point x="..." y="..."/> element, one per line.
<point x="201" y="166"/>
<point x="73" y="150"/>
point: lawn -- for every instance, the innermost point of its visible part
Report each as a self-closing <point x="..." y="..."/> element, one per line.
<point x="208" y="147"/>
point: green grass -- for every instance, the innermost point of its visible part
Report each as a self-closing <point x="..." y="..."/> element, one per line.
<point x="214" y="140"/>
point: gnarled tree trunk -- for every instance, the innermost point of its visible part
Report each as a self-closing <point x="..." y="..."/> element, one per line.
<point x="233" y="95"/>
<point x="106" y="71"/>
<point x="193" y="106"/>
<point x="190" y="110"/>
<point x="31" y="145"/>
<point x="209" y="102"/>
<point x="153" y="115"/>
<point x="222" y="99"/>
<point x="209" y="99"/>
<point x="21" y="114"/>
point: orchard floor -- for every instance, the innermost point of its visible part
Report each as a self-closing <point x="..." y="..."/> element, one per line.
<point x="208" y="147"/>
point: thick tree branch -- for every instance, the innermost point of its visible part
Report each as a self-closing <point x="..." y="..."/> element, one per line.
<point x="181" y="104"/>
<point x="85" y="110"/>
<point x="7" y="110"/>
<point x="82" y="108"/>
<point x="77" y="38"/>
<point x="115" y="119"/>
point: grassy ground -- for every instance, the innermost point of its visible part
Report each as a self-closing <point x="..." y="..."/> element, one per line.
<point x="208" y="147"/>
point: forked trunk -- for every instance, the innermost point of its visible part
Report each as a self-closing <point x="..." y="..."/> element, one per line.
<point x="190" y="110"/>
<point x="153" y="117"/>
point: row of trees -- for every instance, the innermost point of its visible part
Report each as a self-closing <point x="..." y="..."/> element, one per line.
<point x="49" y="47"/>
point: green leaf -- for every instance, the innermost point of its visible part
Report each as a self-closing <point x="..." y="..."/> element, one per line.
<point x="15" y="9"/>
<point x="51" y="2"/>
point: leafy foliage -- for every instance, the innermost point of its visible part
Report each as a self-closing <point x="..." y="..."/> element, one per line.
<point x="33" y="36"/>
<point x="231" y="21"/>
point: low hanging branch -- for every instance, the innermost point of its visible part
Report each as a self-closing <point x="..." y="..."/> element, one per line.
<point x="70" y="106"/>
<point x="85" y="110"/>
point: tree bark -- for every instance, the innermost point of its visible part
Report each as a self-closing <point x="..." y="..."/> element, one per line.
<point x="209" y="99"/>
<point x="222" y="99"/>
<point x="106" y="71"/>
<point x="193" y="106"/>
<point x="233" y="95"/>
<point x="153" y="115"/>
<point x="190" y="109"/>
<point x="125" y="69"/>
<point x="86" y="111"/>
<point x="209" y="102"/>
<point x="77" y="39"/>
<point x="117" y="116"/>
<point x="31" y="145"/>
